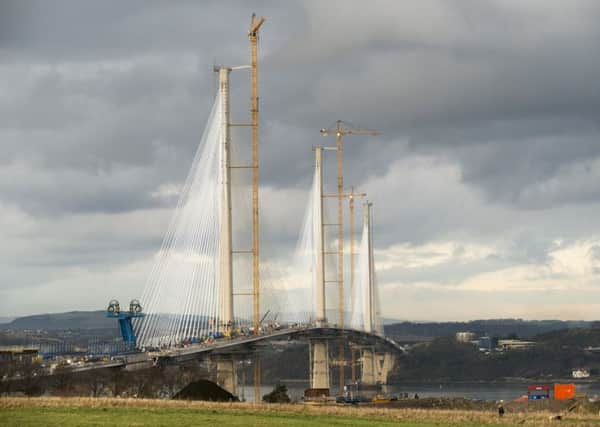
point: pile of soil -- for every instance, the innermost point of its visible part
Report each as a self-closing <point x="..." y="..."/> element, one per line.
<point x="278" y="395"/>
<point x="205" y="390"/>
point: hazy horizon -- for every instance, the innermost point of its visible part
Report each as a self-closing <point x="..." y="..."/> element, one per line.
<point x="386" y="320"/>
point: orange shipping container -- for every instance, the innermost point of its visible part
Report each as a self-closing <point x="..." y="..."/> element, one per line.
<point x="564" y="391"/>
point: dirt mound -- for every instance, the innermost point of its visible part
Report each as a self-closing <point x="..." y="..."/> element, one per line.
<point x="205" y="390"/>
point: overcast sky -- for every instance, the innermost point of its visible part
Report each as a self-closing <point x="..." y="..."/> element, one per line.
<point x="486" y="182"/>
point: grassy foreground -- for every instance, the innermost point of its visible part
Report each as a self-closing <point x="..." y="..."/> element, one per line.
<point x="66" y="412"/>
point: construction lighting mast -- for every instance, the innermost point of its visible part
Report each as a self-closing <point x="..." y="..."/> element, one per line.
<point x="342" y="128"/>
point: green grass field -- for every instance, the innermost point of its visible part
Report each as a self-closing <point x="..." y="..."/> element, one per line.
<point x="185" y="417"/>
<point x="65" y="412"/>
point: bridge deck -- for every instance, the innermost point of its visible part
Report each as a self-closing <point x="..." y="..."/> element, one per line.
<point x="247" y="343"/>
<point x="242" y="344"/>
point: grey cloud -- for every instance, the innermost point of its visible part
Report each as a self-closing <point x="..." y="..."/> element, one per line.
<point x="101" y="103"/>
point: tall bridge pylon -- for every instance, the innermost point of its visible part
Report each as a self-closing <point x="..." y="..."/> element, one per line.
<point x="189" y="296"/>
<point x="225" y="231"/>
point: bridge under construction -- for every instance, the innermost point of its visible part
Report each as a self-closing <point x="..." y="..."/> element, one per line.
<point x="204" y="298"/>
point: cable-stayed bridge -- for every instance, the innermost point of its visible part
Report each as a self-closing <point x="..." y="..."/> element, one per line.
<point x="193" y="304"/>
<point x="209" y="296"/>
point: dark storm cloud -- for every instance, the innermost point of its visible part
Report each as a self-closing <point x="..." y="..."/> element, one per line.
<point x="489" y="112"/>
<point x="481" y="65"/>
<point x="480" y="75"/>
<point x="483" y="75"/>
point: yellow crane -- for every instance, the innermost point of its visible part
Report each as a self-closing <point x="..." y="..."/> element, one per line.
<point x="341" y="129"/>
<point x="253" y="36"/>
<point x="255" y="25"/>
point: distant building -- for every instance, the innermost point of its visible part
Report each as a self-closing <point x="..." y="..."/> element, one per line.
<point x="515" y="344"/>
<point x="486" y="343"/>
<point x="465" y="336"/>
<point x="580" y="373"/>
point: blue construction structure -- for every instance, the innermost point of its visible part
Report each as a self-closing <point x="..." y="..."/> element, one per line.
<point x="125" y="323"/>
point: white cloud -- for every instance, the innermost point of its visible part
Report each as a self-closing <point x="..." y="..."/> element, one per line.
<point x="430" y="254"/>
<point x="571" y="268"/>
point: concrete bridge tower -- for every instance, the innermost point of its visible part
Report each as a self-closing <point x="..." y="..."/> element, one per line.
<point x="319" y="241"/>
<point x="226" y="263"/>
<point x="319" y="348"/>
<point x="368" y="312"/>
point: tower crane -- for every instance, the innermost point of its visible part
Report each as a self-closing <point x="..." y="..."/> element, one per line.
<point x="255" y="25"/>
<point x="341" y="129"/>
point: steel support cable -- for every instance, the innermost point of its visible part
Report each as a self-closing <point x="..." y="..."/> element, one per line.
<point x="200" y="282"/>
<point x="166" y="251"/>
<point x="190" y="218"/>
<point x="197" y="283"/>
<point x="210" y="278"/>
<point x="188" y="282"/>
<point x="194" y="259"/>
<point x="171" y="232"/>
<point x="157" y="324"/>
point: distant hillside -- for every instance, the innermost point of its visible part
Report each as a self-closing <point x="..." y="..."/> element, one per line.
<point x="555" y="355"/>
<point x="390" y="321"/>
<point x="494" y="327"/>
<point x="574" y="338"/>
<point x="70" y="320"/>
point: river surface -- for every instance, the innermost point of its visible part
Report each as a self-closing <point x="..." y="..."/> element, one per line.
<point x="478" y="391"/>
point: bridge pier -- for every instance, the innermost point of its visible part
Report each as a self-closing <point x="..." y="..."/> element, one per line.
<point x="367" y="371"/>
<point x="384" y="363"/>
<point x="352" y="364"/>
<point x="319" y="363"/>
<point x="227" y="374"/>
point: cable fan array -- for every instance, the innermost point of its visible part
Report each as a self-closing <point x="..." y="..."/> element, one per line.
<point x="365" y="314"/>
<point x="301" y="280"/>
<point x="182" y="298"/>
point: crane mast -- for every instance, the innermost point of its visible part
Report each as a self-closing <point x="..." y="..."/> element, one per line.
<point x="255" y="25"/>
<point x="342" y="128"/>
